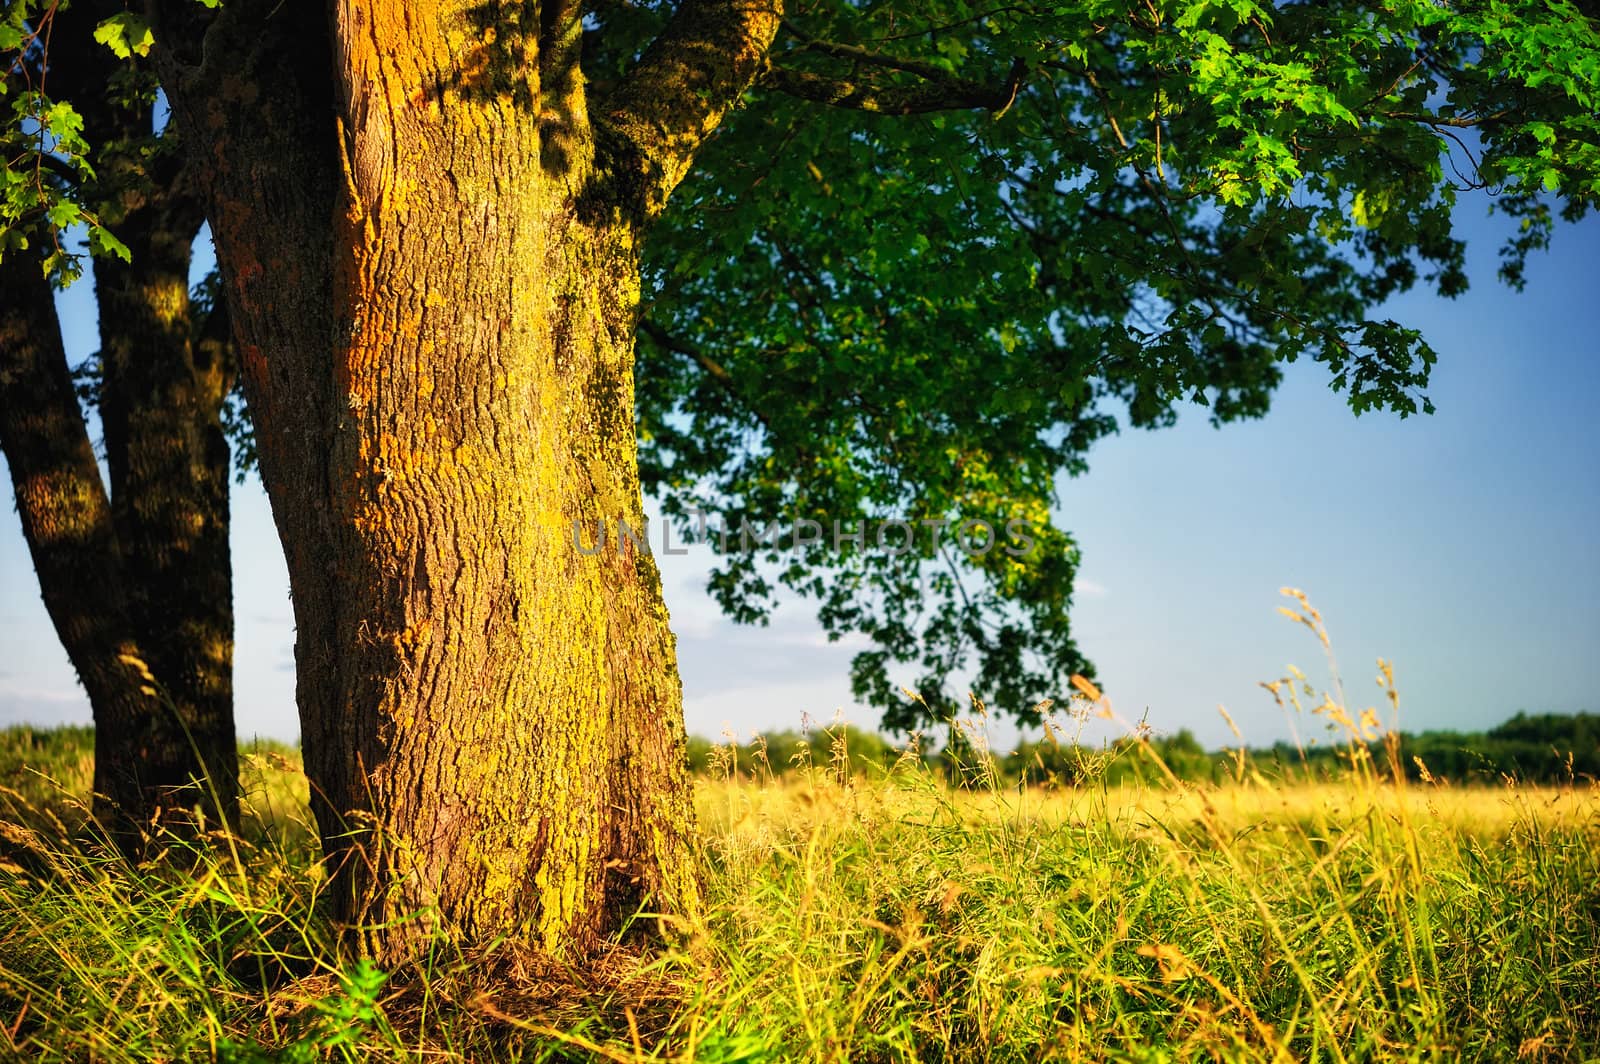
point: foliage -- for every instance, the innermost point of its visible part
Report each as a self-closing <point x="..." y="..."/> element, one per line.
<point x="342" y="1022"/>
<point x="857" y="752"/>
<point x="1026" y="226"/>
<point x="932" y="316"/>
<point x="1547" y="749"/>
<point x="48" y="187"/>
<point x="1544" y="750"/>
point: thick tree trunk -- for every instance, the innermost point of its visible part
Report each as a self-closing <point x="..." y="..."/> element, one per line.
<point x="434" y="296"/>
<point x="505" y="709"/>
<point x="516" y="736"/>
<point x="492" y="720"/>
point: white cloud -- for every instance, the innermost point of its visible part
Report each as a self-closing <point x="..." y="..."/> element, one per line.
<point x="43" y="706"/>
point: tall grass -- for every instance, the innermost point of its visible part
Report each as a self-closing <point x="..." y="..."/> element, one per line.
<point x="889" y="916"/>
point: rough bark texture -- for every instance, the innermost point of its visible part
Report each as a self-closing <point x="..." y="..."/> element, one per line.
<point x="138" y="585"/>
<point x="161" y="397"/>
<point x="434" y="276"/>
<point x="66" y="520"/>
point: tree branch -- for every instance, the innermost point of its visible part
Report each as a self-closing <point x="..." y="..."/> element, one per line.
<point x="867" y="57"/>
<point x="60" y="168"/>
<point x="945" y="94"/>
<point x="714" y="369"/>
<point x="677" y="94"/>
<point x="1438" y="122"/>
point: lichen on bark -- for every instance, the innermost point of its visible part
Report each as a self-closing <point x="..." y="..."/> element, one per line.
<point x="443" y="384"/>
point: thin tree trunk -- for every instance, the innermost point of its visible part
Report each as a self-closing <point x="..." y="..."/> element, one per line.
<point x="160" y="401"/>
<point x="139" y="593"/>
<point x="144" y="575"/>
<point x="67" y="523"/>
<point x="169" y="463"/>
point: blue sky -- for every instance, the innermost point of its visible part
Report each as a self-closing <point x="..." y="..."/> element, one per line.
<point x="1464" y="547"/>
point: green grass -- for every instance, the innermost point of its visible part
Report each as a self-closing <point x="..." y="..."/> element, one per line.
<point x="890" y="918"/>
<point x="865" y="908"/>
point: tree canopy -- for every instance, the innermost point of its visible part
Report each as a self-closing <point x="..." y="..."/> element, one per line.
<point x="943" y="246"/>
<point x="1018" y="227"/>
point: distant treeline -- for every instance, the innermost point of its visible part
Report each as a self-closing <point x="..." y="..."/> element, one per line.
<point x="1531" y="748"/>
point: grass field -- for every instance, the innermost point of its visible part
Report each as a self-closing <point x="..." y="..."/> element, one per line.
<point x="891" y="918"/>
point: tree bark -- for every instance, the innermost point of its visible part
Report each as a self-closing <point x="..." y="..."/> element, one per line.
<point x="139" y="585"/>
<point x="161" y="398"/>
<point x="139" y="590"/>
<point x="435" y="296"/>
<point x="67" y="523"/>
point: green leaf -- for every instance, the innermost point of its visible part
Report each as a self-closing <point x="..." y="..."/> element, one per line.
<point x="103" y="242"/>
<point x="64" y="213"/>
<point x="938" y="316"/>
<point x="126" y="34"/>
<point x="61" y="120"/>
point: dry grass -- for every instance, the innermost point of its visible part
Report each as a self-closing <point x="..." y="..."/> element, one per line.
<point x="895" y="918"/>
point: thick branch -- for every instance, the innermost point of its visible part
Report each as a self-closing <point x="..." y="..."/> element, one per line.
<point x="180" y="32"/>
<point x="60" y="168"/>
<point x="671" y="101"/>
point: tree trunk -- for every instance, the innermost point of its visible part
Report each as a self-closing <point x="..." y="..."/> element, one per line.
<point x="139" y="585"/>
<point x="66" y="521"/>
<point x="492" y="721"/>
<point x="442" y="382"/>
<point x="161" y="397"/>
<point x="517" y="740"/>
<point x="140" y="591"/>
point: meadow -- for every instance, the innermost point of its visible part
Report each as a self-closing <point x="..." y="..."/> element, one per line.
<point x="901" y="913"/>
